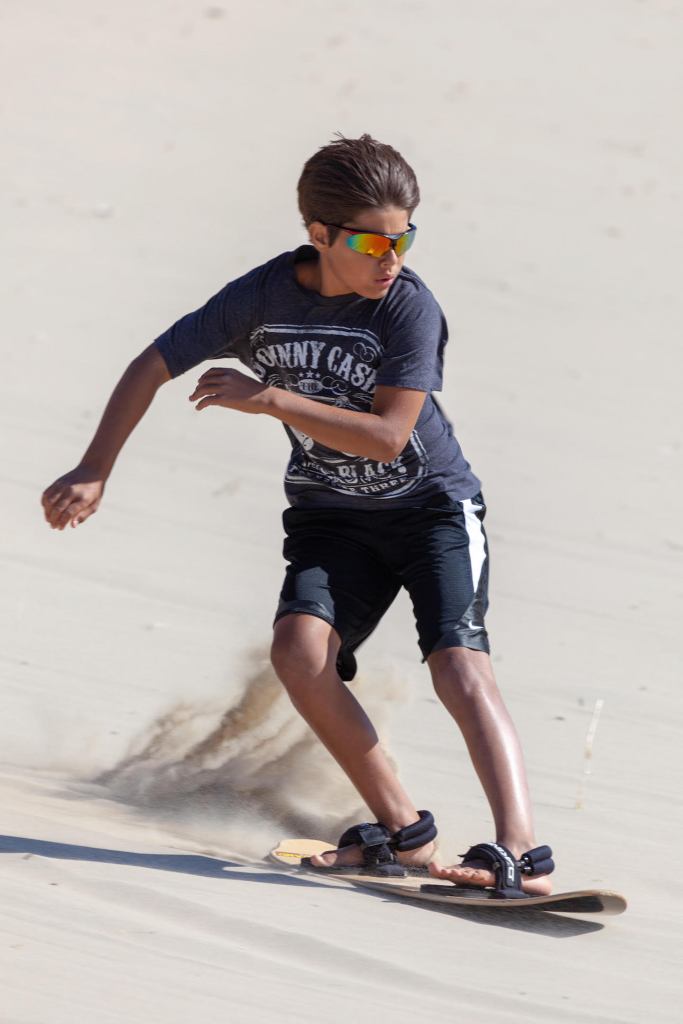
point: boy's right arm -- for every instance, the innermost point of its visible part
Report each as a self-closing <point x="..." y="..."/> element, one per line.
<point x="75" y="496"/>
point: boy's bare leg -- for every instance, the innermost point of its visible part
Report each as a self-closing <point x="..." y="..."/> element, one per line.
<point x="464" y="681"/>
<point x="304" y="656"/>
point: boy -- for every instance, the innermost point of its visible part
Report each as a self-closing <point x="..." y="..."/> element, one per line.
<point x="347" y="348"/>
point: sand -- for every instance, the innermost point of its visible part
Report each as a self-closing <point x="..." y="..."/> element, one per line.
<point x="148" y="760"/>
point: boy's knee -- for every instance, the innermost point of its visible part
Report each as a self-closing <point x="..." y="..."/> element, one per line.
<point x="462" y="675"/>
<point x="301" y="652"/>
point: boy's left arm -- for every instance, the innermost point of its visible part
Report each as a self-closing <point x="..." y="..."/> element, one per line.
<point x="380" y="435"/>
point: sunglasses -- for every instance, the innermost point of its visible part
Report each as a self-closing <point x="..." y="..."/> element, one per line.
<point x="371" y="243"/>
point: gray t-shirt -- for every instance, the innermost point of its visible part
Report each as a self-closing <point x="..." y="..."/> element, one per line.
<point x="336" y="350"/>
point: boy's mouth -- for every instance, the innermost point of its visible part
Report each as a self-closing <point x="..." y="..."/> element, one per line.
<point x="384" y="282"/>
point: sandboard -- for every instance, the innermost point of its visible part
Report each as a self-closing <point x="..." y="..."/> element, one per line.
<point x="585" y="901"/>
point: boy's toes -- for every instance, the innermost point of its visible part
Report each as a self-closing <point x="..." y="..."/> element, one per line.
<point x="343" y="857"/>
<point x="463" y="876"/>
<point x="541" y="886"/>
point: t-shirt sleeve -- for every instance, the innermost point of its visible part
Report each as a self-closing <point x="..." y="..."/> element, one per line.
<point x="217" y="330"/>
<point x="415" y="334"/>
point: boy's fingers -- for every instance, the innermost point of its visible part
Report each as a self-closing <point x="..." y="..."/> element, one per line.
<point x="214" y="371"/>
<point x="50" y="495"/>
<point x="59" y="521"/>
<point x="66" y="517"/>
<point x="84" y="514"/>
<point x="209" y="400"/>
<point x="64" y="503"/>
<point x="203" y="389"/>
<point x="66" y="510"/>
<point x="52" y="515"/>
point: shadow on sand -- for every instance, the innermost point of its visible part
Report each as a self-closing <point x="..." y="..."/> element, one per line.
<point x="539" y="922"/>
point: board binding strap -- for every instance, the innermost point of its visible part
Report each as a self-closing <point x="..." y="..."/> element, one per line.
<point x="290" y="852"/>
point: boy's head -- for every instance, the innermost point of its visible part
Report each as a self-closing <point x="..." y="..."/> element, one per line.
<point x="350" y="175"/>
<point x="357" y="185"/>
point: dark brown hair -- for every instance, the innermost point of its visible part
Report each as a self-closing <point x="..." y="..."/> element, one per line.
<point x="349" y="175"/>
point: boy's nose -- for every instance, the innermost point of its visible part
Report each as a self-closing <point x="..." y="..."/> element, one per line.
<point x="389" y="258"/>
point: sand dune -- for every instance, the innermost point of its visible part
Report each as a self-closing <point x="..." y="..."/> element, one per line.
<point x="148" y="760"/>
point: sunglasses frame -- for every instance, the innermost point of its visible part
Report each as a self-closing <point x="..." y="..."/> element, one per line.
<point x="392" y="239"/>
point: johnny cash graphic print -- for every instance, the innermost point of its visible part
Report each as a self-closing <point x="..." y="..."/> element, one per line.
<point x="336" y="365"/>
<point x="335" y="350"/>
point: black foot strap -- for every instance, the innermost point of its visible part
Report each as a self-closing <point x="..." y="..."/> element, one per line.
<point x="507" y="870"/>
<point x="412" y="837"/>
<point x="375" y="844"/>
<point x="538" y="861"/>
<point x="378" y="847"/>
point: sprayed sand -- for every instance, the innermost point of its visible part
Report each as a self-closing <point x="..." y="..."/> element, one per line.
<point x="148" y="759"/>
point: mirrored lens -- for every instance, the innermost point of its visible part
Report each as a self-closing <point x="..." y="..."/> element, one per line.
<point x="404" y="243"/>
<point x="369" y="245"/>
<point x="378" y="245"/>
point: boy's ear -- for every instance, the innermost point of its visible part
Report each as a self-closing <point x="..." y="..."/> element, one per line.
<point x="318" y="235"/>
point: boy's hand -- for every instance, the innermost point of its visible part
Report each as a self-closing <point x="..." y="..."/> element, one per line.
<point x="231" y="389"/>
<point x="72" y="498"/>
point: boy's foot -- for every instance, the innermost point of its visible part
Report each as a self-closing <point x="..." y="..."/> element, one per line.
<point x="347" y="856"/>
<point x="470" y="875"/>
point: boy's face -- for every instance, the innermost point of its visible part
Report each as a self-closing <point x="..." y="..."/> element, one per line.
<point x="343" y="271"/>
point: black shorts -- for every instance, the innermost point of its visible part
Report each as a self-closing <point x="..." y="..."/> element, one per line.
<point x="346" y="566"/>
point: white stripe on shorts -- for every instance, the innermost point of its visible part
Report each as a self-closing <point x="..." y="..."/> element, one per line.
<point x="475" y="532"/>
